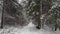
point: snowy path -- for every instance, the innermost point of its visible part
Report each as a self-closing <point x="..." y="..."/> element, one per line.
<point x="29" y="29"/>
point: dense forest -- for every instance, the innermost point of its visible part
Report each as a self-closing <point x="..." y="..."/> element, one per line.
<point x="39" y="12"/>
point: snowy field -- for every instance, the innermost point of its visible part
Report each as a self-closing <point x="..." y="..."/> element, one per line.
<point x="29" y="29"/>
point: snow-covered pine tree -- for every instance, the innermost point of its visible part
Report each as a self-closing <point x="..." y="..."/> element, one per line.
<point x="33" y="11"/>
<point x="54" y="18"/>
<point x="46" y="6"/>
<point x="36" y="8"/>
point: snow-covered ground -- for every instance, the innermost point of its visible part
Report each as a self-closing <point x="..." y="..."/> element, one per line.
<point x="29" y="29"/>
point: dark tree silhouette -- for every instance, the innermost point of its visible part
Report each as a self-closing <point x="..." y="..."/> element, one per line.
<point x="2" y="15"/>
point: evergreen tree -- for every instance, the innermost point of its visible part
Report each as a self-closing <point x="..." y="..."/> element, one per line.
<point x="33" y="11"/>
<point x="54" y="17"/>
<point x="36" y="8"/>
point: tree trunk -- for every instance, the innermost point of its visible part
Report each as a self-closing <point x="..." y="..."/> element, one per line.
<point x="2" y="15"/>
<point x="39" y="10"/>
<point x="56" y="26"/>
